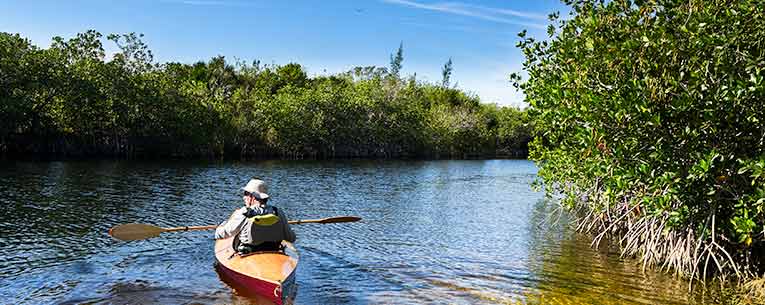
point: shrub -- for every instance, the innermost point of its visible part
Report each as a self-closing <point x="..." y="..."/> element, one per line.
<point x="651" y="123"/>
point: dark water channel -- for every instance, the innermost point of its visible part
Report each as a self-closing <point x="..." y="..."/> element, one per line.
<point x="456" y="232"/>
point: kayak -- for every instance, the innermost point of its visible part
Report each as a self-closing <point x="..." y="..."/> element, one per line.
<point x="270" y="274"/>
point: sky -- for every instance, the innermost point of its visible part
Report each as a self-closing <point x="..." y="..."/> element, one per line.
<point x="325" y="37"/>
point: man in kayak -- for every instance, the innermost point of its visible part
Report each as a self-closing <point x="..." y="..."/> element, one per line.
<point x="261" y="227"/>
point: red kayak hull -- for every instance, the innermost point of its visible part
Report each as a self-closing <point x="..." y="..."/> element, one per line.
<point x="267" y="274"/>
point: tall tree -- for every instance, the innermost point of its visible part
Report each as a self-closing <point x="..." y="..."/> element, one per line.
<point x="396" y="60"/>
<point x="446" y="73"/>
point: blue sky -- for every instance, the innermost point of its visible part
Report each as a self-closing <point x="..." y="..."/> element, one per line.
<point x="324" y="36"/>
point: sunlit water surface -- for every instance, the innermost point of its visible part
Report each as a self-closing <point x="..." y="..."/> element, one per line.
<point x="456" y="232"/>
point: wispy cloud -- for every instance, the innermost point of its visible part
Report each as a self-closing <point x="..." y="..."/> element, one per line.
<point x="429" y="26"/>
<point x="481" y="12"/>
<point x="509" y="12"/>
<point x="462" y="28"/>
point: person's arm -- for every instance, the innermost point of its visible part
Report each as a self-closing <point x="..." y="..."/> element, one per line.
<point x="232" y="226"/>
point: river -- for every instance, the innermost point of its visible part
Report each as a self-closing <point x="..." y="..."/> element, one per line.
<point x="456" y="232"/>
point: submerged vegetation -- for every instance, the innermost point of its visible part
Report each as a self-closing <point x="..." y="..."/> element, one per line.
<point x="651" y="125"/>
<point x="71" y="100"/>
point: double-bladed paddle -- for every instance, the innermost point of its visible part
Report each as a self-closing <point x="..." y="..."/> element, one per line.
<point x="136" y="231"/>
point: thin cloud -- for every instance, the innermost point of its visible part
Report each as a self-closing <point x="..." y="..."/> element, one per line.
<point x="480" y="12"/>
<point x="509" y="12"/>
<point x="460" y="28"/>
<point x="441" y="28"/>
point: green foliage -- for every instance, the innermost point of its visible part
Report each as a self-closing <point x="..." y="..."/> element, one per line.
<point x="71" y="100"/>
<point x="654" y="110"/>
<point x="15" y="102"/>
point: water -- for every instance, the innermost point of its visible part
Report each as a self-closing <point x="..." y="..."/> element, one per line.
<point x="456" y="232"/>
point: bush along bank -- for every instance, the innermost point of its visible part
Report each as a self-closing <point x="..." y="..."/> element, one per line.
<point x="650" y="120"/>
<point x="71" y="101"/>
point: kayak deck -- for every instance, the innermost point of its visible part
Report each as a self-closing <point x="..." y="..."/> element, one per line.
<point x="269" y="274"/>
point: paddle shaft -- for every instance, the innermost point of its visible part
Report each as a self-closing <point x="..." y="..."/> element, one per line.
<point x="190" y="228"/>
<point x="212" y="227"/>
<point x="136" y="231"/>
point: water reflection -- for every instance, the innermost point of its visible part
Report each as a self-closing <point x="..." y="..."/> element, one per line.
<point x="569" y="271"/>
<point x="457" y="232"/>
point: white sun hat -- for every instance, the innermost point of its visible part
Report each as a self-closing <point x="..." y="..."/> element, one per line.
<point x="257" y="188"/>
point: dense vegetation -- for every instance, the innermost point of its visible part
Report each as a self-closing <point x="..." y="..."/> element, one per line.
<point x="70" y="100"/>
<point x="651" y="125"/>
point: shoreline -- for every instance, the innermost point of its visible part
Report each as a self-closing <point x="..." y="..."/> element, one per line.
<point x="199" y="158"/>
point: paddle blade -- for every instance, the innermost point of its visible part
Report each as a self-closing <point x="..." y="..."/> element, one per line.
<point x="340" y="219"/>
<point x="135" y="231"/>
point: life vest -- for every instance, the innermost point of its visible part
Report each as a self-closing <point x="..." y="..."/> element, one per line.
<point x="264" y="225"/>
<point x="265" y="217"/>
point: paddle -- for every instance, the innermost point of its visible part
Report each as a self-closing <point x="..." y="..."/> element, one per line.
<point x="136" y="231"/>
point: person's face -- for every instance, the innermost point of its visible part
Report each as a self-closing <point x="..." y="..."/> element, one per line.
<point x="249" y="199"/>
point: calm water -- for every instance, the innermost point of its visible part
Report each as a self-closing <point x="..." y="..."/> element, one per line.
<point x="457" y="232"/>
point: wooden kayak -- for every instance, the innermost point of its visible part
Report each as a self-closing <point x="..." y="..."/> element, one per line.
<point x="269" y="274"/>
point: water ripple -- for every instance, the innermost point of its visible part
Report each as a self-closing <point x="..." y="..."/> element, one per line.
<point x="435" y="232"/>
